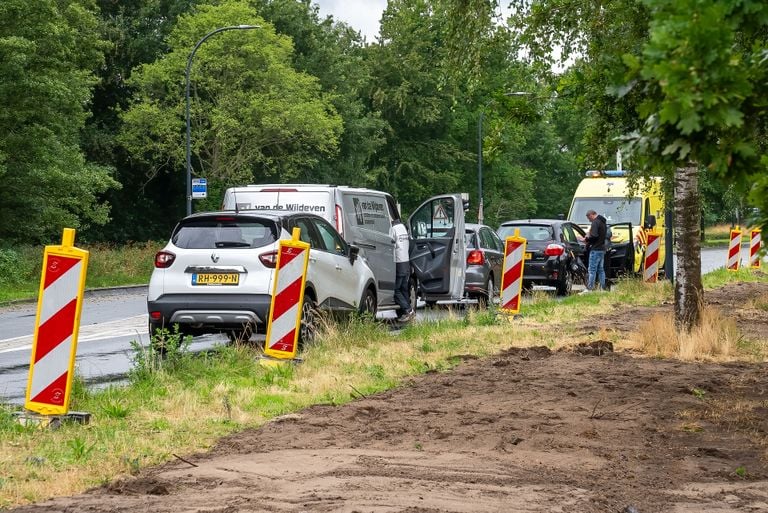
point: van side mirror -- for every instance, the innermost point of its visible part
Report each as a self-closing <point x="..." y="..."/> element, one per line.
<point x="650" y="222"/>
<point x="354" y="251"/>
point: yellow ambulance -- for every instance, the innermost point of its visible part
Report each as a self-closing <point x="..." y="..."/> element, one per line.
<point x="630" y="214"/>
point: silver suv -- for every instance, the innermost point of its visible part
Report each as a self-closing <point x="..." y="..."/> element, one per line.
<point x="216" y="273"/>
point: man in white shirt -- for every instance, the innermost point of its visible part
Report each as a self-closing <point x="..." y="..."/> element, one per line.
<point x="402" y="271"/>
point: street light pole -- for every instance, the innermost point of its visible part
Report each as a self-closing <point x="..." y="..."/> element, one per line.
<point x="480" y="165"/>
<point x="480" y="152"/>
<point x="189" y="130"/>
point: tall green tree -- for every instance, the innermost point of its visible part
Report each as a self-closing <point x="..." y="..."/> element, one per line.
<point x="432" y="110"/>
<point x="48" y="51"/>
<point x="148" y="204"/>
<point x="334" y="53"/>
<point x="685" y="82"/>
<point x="254" y="117"/>
<point x="704" y="80"/>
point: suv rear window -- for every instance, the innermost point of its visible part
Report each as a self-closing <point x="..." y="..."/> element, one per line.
<point x="224" y="232"/>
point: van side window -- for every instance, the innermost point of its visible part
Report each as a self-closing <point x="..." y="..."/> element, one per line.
<point x="368" y="211"/>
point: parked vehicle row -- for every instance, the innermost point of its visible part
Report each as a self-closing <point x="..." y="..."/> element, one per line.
<point x="216" y="272"/>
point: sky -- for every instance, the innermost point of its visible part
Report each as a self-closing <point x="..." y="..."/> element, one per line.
<point x="362" y="15"/>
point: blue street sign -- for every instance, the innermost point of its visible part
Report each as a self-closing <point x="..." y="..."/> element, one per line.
<point x="199" y="188"/>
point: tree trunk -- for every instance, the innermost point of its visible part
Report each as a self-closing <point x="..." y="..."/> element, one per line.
<point x="689" y="295"/>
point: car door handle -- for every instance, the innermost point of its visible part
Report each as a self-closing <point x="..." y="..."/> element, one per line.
<point x="338" y="267"/>
<point x="365" y="245"/>
<point x="312" y="259"/>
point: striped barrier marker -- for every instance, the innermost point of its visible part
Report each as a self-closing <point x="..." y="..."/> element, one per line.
<point x="512" y="273"/>
<point x="734" y="250"/>
<point x="651" y="269"/>
<point x="755" y="243"/>
<point x="287" y="298"/>
<point x="57" y="324"/>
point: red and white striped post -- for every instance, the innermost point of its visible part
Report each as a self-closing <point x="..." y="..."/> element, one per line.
<point x="56" y="327"/>
<point x="734" y="250"/>
<point x="287" y="298"/>
<point x="651" y="266"/>
<point x="755" y="243"/>
<point x="512" y="273"/>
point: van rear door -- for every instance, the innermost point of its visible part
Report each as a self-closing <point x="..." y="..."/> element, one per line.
<point x="437" y="249"/>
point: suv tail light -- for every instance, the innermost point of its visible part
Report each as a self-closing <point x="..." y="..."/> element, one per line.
<point x="269" y="259"/>
<point x="339" y="219"/>
<point x="554" y="250"/>
<point x="475" y="257"/>
<point x="164" y="259"/>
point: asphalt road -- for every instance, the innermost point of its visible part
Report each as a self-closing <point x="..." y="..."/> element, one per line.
<point x="111" y="320"/>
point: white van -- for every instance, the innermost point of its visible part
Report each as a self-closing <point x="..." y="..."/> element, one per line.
<point x="364" y="218"/>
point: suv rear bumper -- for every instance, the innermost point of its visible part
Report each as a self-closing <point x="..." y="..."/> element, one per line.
<point x="211" y="310"/>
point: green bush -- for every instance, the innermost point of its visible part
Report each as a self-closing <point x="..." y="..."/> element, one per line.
<point x="15" y="267"/>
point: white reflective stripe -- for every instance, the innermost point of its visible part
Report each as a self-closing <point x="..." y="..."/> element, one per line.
<point x="59" y="293"/>
<point x="52" y="365"/>
<point x="733" y="260"/>
<point x="650" y="272"/>
<point x="653" y="247"/>
<point x="514" y="257"/>
<point x="283" y="325"/>
<point x="290" y="273"/>
<point x="509" y="293"/>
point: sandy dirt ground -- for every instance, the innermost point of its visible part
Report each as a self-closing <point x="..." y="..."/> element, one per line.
<point x="528" y="430"/>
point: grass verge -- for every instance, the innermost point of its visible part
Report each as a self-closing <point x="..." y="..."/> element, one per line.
<point x="184" y="403"/>
<point x="108" y="266"/>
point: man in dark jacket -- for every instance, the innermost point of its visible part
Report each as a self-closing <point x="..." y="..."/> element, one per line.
<point x="596" y="247"/>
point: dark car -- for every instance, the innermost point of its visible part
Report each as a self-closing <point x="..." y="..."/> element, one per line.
<point x="485" y="256"/>
<point x="554" y="253"/>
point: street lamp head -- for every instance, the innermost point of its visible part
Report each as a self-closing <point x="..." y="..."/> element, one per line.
<point x="248" y="26"/>
<point x="517" y="93"/>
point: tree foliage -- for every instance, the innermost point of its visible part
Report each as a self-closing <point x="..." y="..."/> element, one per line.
<point x="333" y="53"/>
<point x="48" y="50"/>
<point x="254" y="117"/>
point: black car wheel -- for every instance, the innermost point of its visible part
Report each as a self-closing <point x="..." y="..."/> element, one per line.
<point x="413" y="293"/>
<point x="309" y="321"/>
<point x="368" y="304"/>
<point x="565" y="285"/>
<point x="486" y="297"/>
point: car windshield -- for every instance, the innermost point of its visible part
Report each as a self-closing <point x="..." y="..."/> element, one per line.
<point x="615" y="210"/>
<point x="224" y="232"/>
<point x="530" y="232"/>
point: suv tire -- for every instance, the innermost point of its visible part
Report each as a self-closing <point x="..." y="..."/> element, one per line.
<point x="368" y="303"/>
<point x="309" y="321"/>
